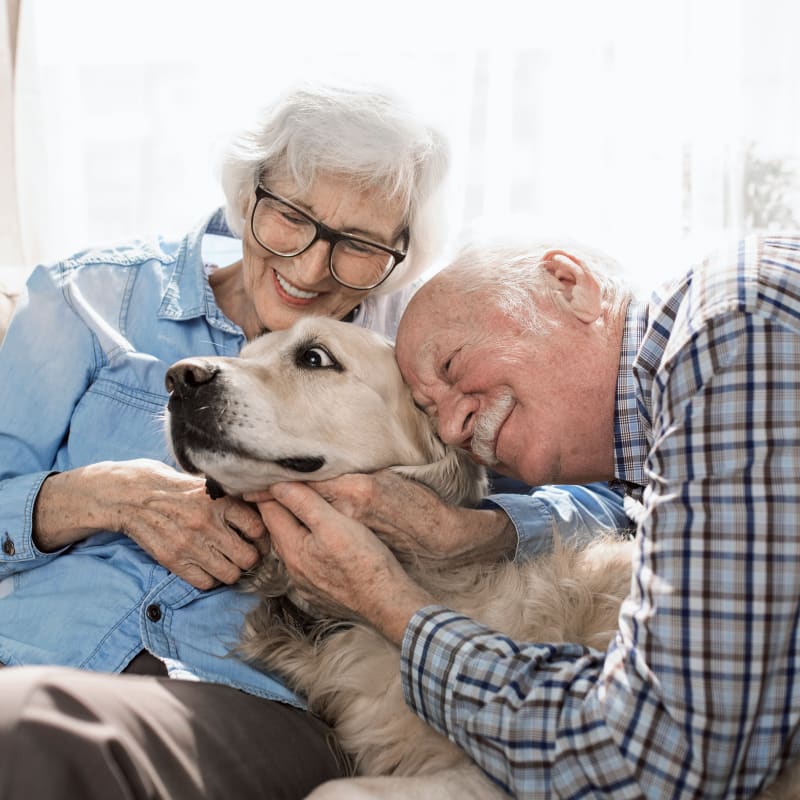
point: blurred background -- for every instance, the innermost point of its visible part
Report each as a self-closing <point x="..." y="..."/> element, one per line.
<point x="653" y="130"/>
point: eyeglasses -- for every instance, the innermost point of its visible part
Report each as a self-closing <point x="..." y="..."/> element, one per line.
<point x="286" y="230"/>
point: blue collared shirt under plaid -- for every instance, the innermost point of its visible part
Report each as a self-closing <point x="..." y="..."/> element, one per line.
<point x="698" y="695"/>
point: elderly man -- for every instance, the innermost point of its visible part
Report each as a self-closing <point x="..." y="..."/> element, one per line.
<point x="543" y="366"/>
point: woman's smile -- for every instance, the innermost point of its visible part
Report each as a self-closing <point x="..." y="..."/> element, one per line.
<point x="292" y="294"/>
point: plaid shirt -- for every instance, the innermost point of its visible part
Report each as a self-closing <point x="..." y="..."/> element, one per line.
<point x="698" y="695"/>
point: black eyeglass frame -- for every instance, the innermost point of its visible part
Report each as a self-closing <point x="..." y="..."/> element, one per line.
<point x="328" y="235"/>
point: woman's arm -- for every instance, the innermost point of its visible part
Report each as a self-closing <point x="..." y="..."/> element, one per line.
<point x="48" y="362"/>
<point x="166" y="512"/>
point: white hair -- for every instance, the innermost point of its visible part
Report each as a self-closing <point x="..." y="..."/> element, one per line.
<point x="363" y="134"/>
<point x="510" y="276"/>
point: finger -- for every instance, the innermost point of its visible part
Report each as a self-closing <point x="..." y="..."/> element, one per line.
<point x="286" y="532"/>
<point x="264" y="546"/>
<point x="245" y="521"/>
<point x="305" y="503"/>
<point x="331" y="484"/>
<point x="224" y="539"/>
<point x="341" y="487"/>
<point x="197" y="577"/>
<point x="258" y="497"/>
<point x="353" y="495"/>
<point x="221" y="565"/>
<point x="238" y="552"/>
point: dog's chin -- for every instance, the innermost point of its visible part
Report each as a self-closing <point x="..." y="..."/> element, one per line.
<point x="241" y="474"/>
<point x="185" y="462"/>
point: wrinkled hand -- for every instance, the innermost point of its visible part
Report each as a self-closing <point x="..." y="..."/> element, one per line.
<point x="413" y="521"/>
<point x="169" y="515"/>
<point x="339" y="561"/>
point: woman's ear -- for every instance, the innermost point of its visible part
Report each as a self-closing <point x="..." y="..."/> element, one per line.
<point x="577" y="290"/>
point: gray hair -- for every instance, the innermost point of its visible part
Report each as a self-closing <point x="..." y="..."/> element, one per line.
<point x="363" y="134"/>
<point x="510" y="276"/>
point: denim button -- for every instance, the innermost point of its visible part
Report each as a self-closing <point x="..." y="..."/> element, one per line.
<point x="8" y="546"/>
<point x="153" y="613"/>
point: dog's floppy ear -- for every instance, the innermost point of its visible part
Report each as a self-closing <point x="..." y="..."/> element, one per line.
<point x="451" y="473"/>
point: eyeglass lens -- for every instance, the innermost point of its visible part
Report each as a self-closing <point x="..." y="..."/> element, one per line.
<point x="286" y="232"/>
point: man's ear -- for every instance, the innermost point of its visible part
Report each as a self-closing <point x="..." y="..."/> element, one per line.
<point x="577" y="290"/>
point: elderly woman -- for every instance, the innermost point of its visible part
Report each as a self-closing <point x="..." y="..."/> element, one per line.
<point x="111" y="560"/>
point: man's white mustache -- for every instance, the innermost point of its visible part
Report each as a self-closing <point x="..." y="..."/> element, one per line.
<point x="484" y="433"/>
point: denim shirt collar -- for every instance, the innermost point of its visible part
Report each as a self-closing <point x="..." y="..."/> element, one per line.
<point x="188" y="294"/>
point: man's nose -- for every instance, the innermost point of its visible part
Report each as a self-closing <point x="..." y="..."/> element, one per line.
<point x="456" y="418"/>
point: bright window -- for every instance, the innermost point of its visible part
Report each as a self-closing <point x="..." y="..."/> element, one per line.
<point x="651" y="130"/>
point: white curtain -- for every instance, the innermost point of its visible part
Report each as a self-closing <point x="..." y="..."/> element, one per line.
<point x="650" y="129"/>
<point x="10" y="237"/>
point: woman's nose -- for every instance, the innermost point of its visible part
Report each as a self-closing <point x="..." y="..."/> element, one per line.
<point x="311" y="267"/>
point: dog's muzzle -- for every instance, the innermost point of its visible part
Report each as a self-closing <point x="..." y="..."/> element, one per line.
<point x="188" y="379"/>
<point x="195" y="395"/>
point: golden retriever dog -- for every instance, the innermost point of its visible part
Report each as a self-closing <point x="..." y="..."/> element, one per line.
<point x="326" y="398"/>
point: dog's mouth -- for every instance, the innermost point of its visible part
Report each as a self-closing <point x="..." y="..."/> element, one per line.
<point x="202" y="445"/>
<point x="193" y="445"/>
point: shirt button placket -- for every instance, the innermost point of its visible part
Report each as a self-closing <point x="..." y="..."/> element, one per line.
<point x="155" y="623"/>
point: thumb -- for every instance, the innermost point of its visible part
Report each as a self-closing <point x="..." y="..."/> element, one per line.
<point x="304" y="502"/>
<point x="286" y="533"/>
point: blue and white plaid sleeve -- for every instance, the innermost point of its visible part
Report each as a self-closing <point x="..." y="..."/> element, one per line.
<point x="698" y="695"/>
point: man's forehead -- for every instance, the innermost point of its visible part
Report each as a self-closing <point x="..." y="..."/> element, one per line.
<point x="413" y="351"/>
<point x="418" y="323"/>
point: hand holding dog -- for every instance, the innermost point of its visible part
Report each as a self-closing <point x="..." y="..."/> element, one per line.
<point x="414" y="521"/>
<point x="166" y="512"/>
<point x="339" y="561"/>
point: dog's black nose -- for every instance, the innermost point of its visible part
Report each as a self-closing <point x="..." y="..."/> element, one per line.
<point x="189" y="373"/>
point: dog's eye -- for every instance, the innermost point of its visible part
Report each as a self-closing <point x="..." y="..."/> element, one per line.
<point x="316" y="358"/>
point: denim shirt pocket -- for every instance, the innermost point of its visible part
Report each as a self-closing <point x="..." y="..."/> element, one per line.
<point x="121" y="415"/>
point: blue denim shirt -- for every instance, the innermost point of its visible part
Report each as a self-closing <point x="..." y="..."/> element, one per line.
<point x="576" y="513"/>
<point x="83" y="369"/>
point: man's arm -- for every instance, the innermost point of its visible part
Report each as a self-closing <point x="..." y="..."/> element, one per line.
<point x="337" y="562"/>
<point x="415" y="523"/>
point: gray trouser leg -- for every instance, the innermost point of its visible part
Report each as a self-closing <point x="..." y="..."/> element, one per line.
<point x="77" y="735"/>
